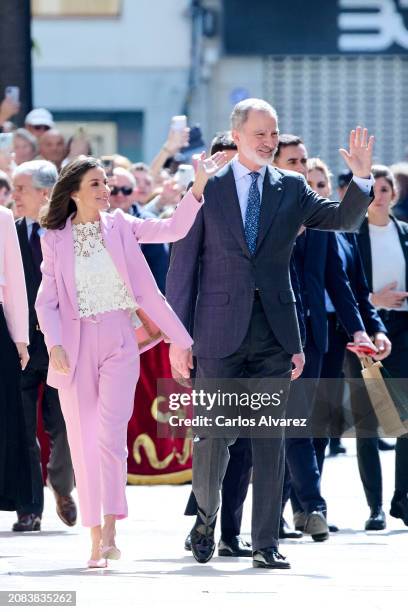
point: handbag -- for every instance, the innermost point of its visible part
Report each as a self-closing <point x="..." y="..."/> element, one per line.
<point x="388" y="402"/>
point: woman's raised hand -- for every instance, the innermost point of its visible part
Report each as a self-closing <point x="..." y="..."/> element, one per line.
<point x="206" y="168"/>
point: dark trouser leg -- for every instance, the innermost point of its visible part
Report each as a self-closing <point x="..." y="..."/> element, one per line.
<point x="235" y="488"/>
<point x="210" y="460"/>
<point x="328" y="409"/>
<point x="305" y="475"/>
<point x="60" y="471"/>
<point x="368" y="455"/>
<point x="401" y="465"/>
<point x="300" y="452"/>
<point x="29" y="389"/>
<point x="268" y="467"/>
<point x="369" y="466"/>
<point x="211" y="455"/>
<point x="267" y="360"/>
<point x="397" y="366"/>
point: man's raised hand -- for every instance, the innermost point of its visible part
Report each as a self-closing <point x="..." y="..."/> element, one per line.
<point x="359" y="158"/>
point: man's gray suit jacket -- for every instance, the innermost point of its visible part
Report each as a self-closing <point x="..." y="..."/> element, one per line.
<point x="212" y="276"/>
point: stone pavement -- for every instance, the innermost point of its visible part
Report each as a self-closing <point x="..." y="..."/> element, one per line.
<point x="352" y="571"/>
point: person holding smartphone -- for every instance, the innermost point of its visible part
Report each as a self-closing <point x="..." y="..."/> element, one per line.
<point x="383" y="243"/>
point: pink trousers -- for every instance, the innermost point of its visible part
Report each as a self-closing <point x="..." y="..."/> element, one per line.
<point x="97" y="407"/>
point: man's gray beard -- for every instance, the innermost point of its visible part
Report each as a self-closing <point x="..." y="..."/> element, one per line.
<point x="260" y="160"/>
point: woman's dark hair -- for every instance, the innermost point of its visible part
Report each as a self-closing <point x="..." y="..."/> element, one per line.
<point x="384" y="172"/>
<point x="4" y="181"/>
<point x="61" y="204"/>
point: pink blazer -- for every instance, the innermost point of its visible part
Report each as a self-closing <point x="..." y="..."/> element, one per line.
<point x="13" y="293"/>
<point x="56" y="303"/>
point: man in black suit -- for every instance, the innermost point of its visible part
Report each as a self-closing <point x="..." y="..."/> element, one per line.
<point x="33" y="182"/>
<point x="319" y="267"/>
<point x="231" y="273"/>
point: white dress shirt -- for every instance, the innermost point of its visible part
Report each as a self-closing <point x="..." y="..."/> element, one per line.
<point x="388" y="261"/>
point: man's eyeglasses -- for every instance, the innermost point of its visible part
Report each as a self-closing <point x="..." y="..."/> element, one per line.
<point x="125" y="190"/>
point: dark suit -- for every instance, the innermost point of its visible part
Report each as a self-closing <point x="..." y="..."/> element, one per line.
<point x="241" y="309"/>
<point x="59" y="467"/>
<point x="238" y="475"/>
<point x="319" y="267"/>
<point x="328" y="409"/>
<point x="396" y="364"/>
<point x="156" y="255"/>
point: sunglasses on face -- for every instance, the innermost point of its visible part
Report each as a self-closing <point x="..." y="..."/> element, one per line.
<point x="125" y="190"/>
<point x="42" y="128"/>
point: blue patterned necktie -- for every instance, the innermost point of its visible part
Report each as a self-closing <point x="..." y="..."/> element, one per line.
<point x="252" y="213"/>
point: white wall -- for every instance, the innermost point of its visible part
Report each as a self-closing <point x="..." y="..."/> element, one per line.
<point x="148" y="34"/>
<point x="137" y="62"/>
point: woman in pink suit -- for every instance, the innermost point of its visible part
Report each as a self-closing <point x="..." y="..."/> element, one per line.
<point x="15" y="479"/>
<point x="96" y="288"/>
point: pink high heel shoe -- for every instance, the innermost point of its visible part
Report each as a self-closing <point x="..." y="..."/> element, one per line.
<point x="99" y="564"/>
<point x="110" y="552"/>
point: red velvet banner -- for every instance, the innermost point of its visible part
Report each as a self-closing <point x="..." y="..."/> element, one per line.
<point x="151" y="460"/>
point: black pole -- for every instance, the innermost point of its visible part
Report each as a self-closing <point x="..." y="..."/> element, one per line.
<point x="15" y="51"/>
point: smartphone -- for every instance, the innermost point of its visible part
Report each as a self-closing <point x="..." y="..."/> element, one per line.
<point x="185" y="175"/>
<point x="80" y="133"/>
<point x="13" y="92"/>
<point x="361" y="348"/>
<point x="178" y="123"/>
<point x="107" y="163"/>
<point x="6" y="142"/>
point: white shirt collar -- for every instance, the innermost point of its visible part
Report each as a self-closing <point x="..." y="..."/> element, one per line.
<point x="240" y="170"/>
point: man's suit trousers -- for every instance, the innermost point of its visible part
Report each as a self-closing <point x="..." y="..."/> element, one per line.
<point x="234" y="489"/>
<point x="259" y="356"/>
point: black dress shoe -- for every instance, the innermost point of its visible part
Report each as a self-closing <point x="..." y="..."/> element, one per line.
<point x="336" y="448"/>
<point x="383" y="445"/>
<point x="234" y="547"/>
<point x="202" y="541"/>
<point x="399" y="507"/>
<point x="28" y="522"/>
<point x="376" y="521"/>
<point x="269" y="558"/>
<point x="286" y="532"/>
<point x="187" y="543"/>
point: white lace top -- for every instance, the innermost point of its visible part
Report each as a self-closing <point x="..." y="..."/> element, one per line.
<point x="99" y="286"/>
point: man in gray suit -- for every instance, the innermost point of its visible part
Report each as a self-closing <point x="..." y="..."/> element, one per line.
<point x="229" y="283"/>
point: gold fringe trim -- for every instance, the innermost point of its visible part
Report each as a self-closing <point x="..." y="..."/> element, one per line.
<point x="181" y="477"/>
